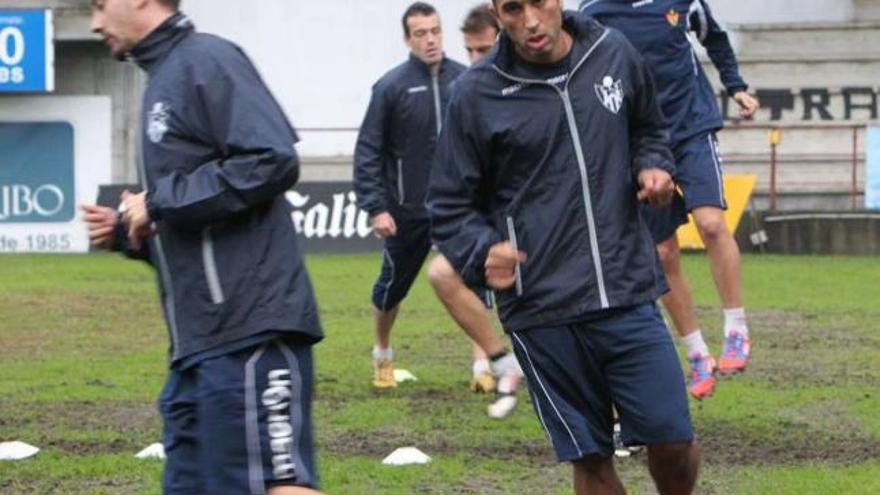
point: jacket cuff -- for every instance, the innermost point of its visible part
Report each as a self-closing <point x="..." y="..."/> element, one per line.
<point x="152" y="209"/>
<point x="736" y="88"/>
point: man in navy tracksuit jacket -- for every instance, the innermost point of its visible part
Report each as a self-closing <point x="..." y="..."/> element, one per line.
<point x="392" y="163"/>
<point x="659" y="30"/>
<point x="217" y="157"/>
<point x="548" y="144"/>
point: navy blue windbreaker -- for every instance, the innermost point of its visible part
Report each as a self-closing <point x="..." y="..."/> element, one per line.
<point x="659" y="30"/>
<point x="395" y="147"/>
<point x="217" y="158"/>
<point x="553" y="169"/>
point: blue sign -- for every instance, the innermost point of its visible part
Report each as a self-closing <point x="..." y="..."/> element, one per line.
<point x="872" y="177"/>
<point x="27" y="53"/>
<point x="36" y="173"/>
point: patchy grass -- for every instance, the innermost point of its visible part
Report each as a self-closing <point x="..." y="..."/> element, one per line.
<point x="83" y="353"/>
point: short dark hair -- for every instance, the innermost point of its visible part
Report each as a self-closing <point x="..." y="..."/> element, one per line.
<point x="418" y="8"/>
<point x="171" y="4"/>
<point x="479" y="19"/>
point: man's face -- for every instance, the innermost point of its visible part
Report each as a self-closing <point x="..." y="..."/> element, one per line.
<point x="115" y="20"/>
<point x="535" y="26"/>
<point x="479" y="44"/>
<point x="425" y="38"/>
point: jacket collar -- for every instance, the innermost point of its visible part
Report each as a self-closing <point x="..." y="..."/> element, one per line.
<point x="584" y="31"/>
<point x="417" y="62"/>
<point x="152" y="49"/>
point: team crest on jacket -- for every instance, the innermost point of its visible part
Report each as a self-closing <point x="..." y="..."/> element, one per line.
<point x="673" y="17"/>
<point x="610" y="93"/>
<point x="157" y="122"/>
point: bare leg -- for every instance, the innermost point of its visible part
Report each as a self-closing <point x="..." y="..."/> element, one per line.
<point x="463" y="305"/>
<point x="596" y="475"/>
<point x="477" y="351"/>
<point x="678" y="300"/>
<point x="292" y="490"/>
<point x="674" y="467"/>
<point x="384" y="321"/>
<point x="723" y="253"/>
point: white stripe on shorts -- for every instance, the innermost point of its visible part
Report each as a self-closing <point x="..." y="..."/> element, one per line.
<point x="252" y="425"/>
<point x="387" y="255"/>
<point x="713" y="147"/>
<point x="546" y="394"/>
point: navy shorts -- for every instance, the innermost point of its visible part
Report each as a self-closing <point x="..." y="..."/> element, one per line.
<point x="402" y="259"/>
<point x="663" y="223"/>
<point x="240" y="423"/>
<point x="622" y="358"/>
<point x="698" y="175"/>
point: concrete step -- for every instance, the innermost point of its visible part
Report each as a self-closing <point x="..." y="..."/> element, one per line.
<point x="809" y="41"/>
<point x="801" y="73"/>
<point x="326" y="169"/>
<point x="818" y="141"/>
<point x="867" y="9"/>
<point x="802" y="178"/>
<point x="788" y="201"/>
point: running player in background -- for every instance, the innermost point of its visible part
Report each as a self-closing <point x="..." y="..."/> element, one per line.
<point x="659" y="30"/>
<point x="470" y="311"/>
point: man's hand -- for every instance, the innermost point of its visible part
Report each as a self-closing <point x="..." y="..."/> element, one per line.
<point x="655" y="187"/>
<point x="135" y="216"/>
<point x="501" y="264"/>
<point x="383" y="225"/>
<point x="101" y="224"/>
<point x="747" y="104"/>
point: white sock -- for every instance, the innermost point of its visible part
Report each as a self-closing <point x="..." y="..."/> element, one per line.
<point x="379" y="353"/>
<point x="735" y="319"/>
<point x="480" y="366"/>
<point x="502" y="369"/>
<point x="695" y="343"/>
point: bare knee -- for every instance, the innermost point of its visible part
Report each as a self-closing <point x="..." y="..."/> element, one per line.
<point x="442" y="276"/>
<point x="711" y="225"/>
<point x="598" y="469"/>
<point x="673" y="457"/>
<point x="669" y="254"/>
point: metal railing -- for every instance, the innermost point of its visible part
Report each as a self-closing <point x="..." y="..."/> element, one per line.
<point x="775" y="134"/>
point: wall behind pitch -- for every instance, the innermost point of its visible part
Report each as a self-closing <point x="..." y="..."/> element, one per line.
<point x="321" y="57"/>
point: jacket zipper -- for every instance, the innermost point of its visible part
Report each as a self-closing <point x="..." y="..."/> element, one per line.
<point x="582" y="165"/>
<point x="210" y="266"/>
<point x="511" y="234"/>
<point x="438" y="117"/>
<point x="164" y="271"/>
<point x="400" y="191"/>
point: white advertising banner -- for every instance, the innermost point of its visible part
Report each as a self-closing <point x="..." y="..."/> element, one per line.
<point x="56" y="152"/>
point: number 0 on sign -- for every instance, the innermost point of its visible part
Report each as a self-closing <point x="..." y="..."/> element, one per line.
<point x="27" y="51"/>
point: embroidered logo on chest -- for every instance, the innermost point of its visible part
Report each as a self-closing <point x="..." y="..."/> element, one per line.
<point x="157" y="122"/>
<point x="610" y="93"/>
<point x="673" y="17"/>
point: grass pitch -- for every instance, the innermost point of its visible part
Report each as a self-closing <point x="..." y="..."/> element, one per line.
<point x="83" y="353"/>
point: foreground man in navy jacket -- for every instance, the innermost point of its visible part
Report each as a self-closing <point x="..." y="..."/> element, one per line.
<point x="659" y="30"/>
<point x="217" y="157"/>
<point x="549" y="143"/>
